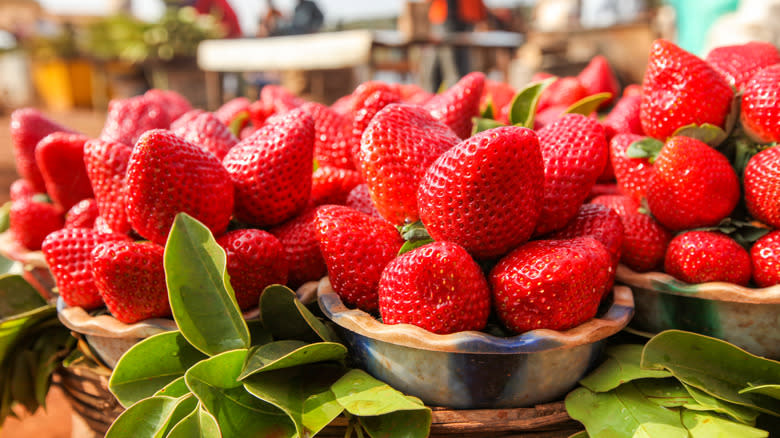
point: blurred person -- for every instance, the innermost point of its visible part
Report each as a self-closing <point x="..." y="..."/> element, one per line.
<point x="222" y="10"/>
<point x="307" y="18"/>
<point x="271" y="21"/>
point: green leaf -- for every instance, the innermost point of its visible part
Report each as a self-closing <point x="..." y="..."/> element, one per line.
<point x="523" y="107"/>
<point x="151" y="417"/>
<point x="411" y="245"/>
<point x="238" y="123"/>
<point x="23" y="380"/>
<point x="286" y="317"/>
<point x="706" y="425"/>
<point x="770" y="390"/>
<point x="13" y="328"/>
<point x="588" y="105"/>
<point x="714" y="366"/>
<point x="177" y="388"/>
<point x="489" y="112"/>
<point x="707" y="133"/>
<point x="51" y="345"/>
<point x="239" y="414"/>
<point x="198" y="424"/>
<point x="621" y="366"/>
<point x="257" y="333"/>
<point x="5" y="214"/>
<point x="484" y="124"/>
<point x="319" y="409"/>
<point x="401" y="423"/>
<point x="668" y="393"/>
<point x="286" y="354"/>
<point x="647" y="147"/>
<point x="415" y="236"/>
<point x="150" y="365"/>
<point x="706" y="402"/>
<point x="17" y="296"/>
<point x="581" y="434"/>
<point x="203" y="303"/>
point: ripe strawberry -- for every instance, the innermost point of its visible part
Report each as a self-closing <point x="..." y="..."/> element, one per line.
<point x="331" y="185"/>
<point x="343" y="105"/>
<point x="129" y="118"/>
<point x="131" y="280"/>
<point x="632" y="90"/>
<point x="459" y="104"/>
<point x="704" y="256"/>
<point x="345" y="236"/>
<point x="174" y="103"/>
<point x="167" y="175"/>
<point x="414" y="94"/>
<point x="106" y="164"/>
<point x="331" y="147"/>
<point x="740" y="62"/>
<point x="60" y="156"/>
<point x="563" y="92"/>
<point x="209" y="133"/>
<point x="498" y="94"/>
<point x="762" y="186"/>
<point x="397" y="147"/>
<point x="485" y="193"/>
<point x="259" y="112"/>
<point x="692" y="185"/>
<point x="271" y="170"/>
<point x="438" y="287"/>
<point x="599" y="222"/>
<point x="82" y="214"/>
<point x="281" y="99"/>
<point x="360" y="200"/>
<point x="624" y="117"/>
<point x="21" y="188"/>
<point x="550" y="284"/>
<point x="28" y="127"/>
<point x="632" y="174"/>
<point x="31" y="221"/>
<point x="255" y="260"/>
<point x="765" y="258"/>
<point x="185" y="118"/>
<point x="622" y="204"/>
<point x="760" y="112"/>
<point x="68" y="253"/>
<point x="298" y="237"/>
<point x="597" y="77"/>
<point x="368" y="88"/>
<point x="362" y="114"/>
<point x="603" y="189"/>
<point x="549" y="115"/>
<point x="231" y="109"/>
<point x="574" y="151"/>
<point x="680" y="89"/>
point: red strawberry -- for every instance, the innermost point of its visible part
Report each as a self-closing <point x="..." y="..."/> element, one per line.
<point x="343" y="105"/>
<point x="28" y="127"/>
<point x="271" y="170"/>
<point x="368" y="88"/>
<point x="68" y="253"/>
<point x="82" y="215"/>
<point x="345" y="236"/>
<point x="550" y="284"/>
<point x="363" y="113"/>
<point x="765" y="258"/>
<point x="563" y="92"/>
<point x="704" y="256"/>
<point x="60" y="156"/>
<point x="185" y="118"/>
<point x="574" y="151"/>
<point x="331" y="147"/>
<point x="740" y="62"/>
<point x="692" y="185"/>
<point x="632" y="174"/>
<point x="21" y="188"/>
<point x="414" y="95"/>
<point x="680" y="89"/>
<point x="498" y="94"/>
<point x="599" y="222"/>
<point x="174" y="103"/>
<point x="131" y="280"/>
<point x="360" y="200"/>
<point x="106" y="164"/>
<point x="603" y="189"/>
<point x="624" y="117"/>
<point x="255" y="260"/>
<point x="31" y="221"/>
<point x="760" y="114"/>
<point x="762" y="186"/>
<point x="281" y="99"/>
<point x="486" y="192"/>
<point x="206" y="131"/>
<point x="397" y="147"/>
<point x="298" y="237"/>
<point x="246" y="132"/>
<point x="331" y="185"/>
<point x="129" y="118"/>
<point x="549" y="116"/>
<point x="622" y="204"/>
<point x="632" y="90"/>
<point x="167" y="175"/>
<point x="231" y="109"/>
<point x="438" y="287"/>
<point x="597" y="77"/>
<point x="259" y="112"/>
<point x="459" y="104"/>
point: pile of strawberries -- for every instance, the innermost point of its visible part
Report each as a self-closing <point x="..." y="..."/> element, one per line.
<point x="411" y="213"/>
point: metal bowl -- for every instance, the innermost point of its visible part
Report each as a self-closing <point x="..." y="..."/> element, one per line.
<point x="746" y="317"/>
<point x="469" y="370"/>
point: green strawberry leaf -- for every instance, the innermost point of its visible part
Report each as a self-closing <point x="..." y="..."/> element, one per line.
<point x="17" y="296"/>
<point x="708" y="425"/>
<point x="523" y="107"/>
<point x="151" y="417"/>
<point x="415" y="236"/>
<point x="743" y="232"/>
<point x="177" y="388"/>
<point x="481" y="124"/>
<point x="41" y="197"/>
<point x="668" y="393"/>
<point x="285" y="317"/>
<point x="238" y="123"/>
<point x="733" y="116"/>
<point x="647" y="147"/>
<point x="489" y="112"/>
<point x="706" y="402"/>
<point x="770" y="390"/>
<point x="198" y="424"/>
<point x="588" y="105"/>
<point x="411" y="245"/>
<point x="707" y="133"/>
<point x="5" y="214"/>
<point x="316" y="165"/>
<point x="621" y="366"/>
<point x="286" y="354"/>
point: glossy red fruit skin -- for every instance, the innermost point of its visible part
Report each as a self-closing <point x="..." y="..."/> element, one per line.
<point x="760" y="112"/>
<point x="550" y="284"/>
<point x="206" y="131"/>
<point x="167" y="175"/>
<point x="232" y="108"/>
<point x="298" y="237"/>
<point x="28" y="127"/>
<point x="693" y="185"/>
<point x="68" y="254"/>
<point x="622" y="204"/>
<point x="21" y="188"/>
<point x="740" y="62"/>
<point x="280" y="98"/>
<point x="499" y="94"/>
<point x="680" y="89"/>
<point x="106" y="164"/>
<point x="599" y="222"/>
<point x="174" y="103"/>
<point x="459" y="104"/>
<point x="485" y="193"/>
<point x="129" y="118"/>
<point x="31" y="221"/>
<point x="185" y="118"/>
<point x="131" y="280"/>
<point x="362" y="114"/>
<point x="705" y="256"/>
<point x="765" y="260"/>
<point x="438" y="287"/>
<point x="644" y="242"/>
<point x="624" y="117"/>
<point x="574" y="150"/>
<point x="255" y="260"/>
<point x="397" y="147"/>
<point x="346" y="236"/>
<point x="82" y="215"/>
<point x="271" y="170"/>
<point x="331" y="146"/>
<point x="597" y="77"/>
<point x="413" y="94"/>
<point x="632" y="174"/>
<point x="563" y="92"/>
<point x="331" y="185"/>
<point x="360" y="199"/>
<point x="60" y="157"/>
<point x="762" y="186"/>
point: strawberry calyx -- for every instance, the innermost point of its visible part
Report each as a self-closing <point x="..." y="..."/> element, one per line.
<point x="489" y="112"/>
<point x="415" y="236"/>
<point x="743" y="232"/>
<point x="587" y="105"/>
<point x="706" y="133"/>
<point x="238" y="123"/>
<point x="523" y="107"/>
<point x="483" y="124"/>
<point x="647" y="147"/>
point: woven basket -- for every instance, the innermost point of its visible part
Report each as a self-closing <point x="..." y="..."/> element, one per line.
<point x="92" y="403"/>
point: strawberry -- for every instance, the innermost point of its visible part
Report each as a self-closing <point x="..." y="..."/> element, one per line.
<point x="206" y="131"/>
<point x="106" y="164"/>
<point x="28" y="127"/>
<point x="760" y="112"/>
<point x="185" y="118"/>
<point x="82" y="215"/>
<point x="622" y="204"/>
<point x="360" y="200"/>
<point x="279" y="98"/>
<point x="438" y="287"/>
<point x="692" y="185"/>
<point x="574" y="151"/>
<point x="368" y="88"/>
<point x="60" y="156"/>
<point x="562" y="93"/>
<point x="298" y="237"/>
<point x="129" y="118"/>
<point x="68" y="253"/>
<point x="331" y="185"/>
<point x="232" y="109"/>
<point x="174" y="103"/>
<point x="30" y="222"/>
<point x="765" y="259"/>
<point x="762" y="186"/>
<point x="740" y="62"/>
<point x="343" y="105"/>
<point x="397" y="147"/>
<point x="271" y="170"/>
<point x="680" y="89"/>
<point x="331" y="147"/>
<point x="167" y="175"/>
<point x="550" y="284"/>
<point x="704" y="256"/>
<point x="603" y="189"/>
<point x="459" y="104"/>
<point x="246" y="132"/>
<point x="259" y="112"/>
<point x="597" y="77"/>
<point x="549" y="116"/>
<point x="131" y="280"/>
<point x="485" y="193"/>
<point x="345" y="236"/>
<point x="362" y="114"/>
<point x="21" y="188"/>
<point x="624" y="117"/>
<point x="414" y="95"/>
<point x="599" y="222"/>
<point x="632" y="174"/>
<point x="498" y="94"/>
<point x="255" y="259"/>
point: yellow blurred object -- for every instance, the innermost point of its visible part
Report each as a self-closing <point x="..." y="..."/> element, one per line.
<point x="52" y="81"/>
<point x="80" y="76"/>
